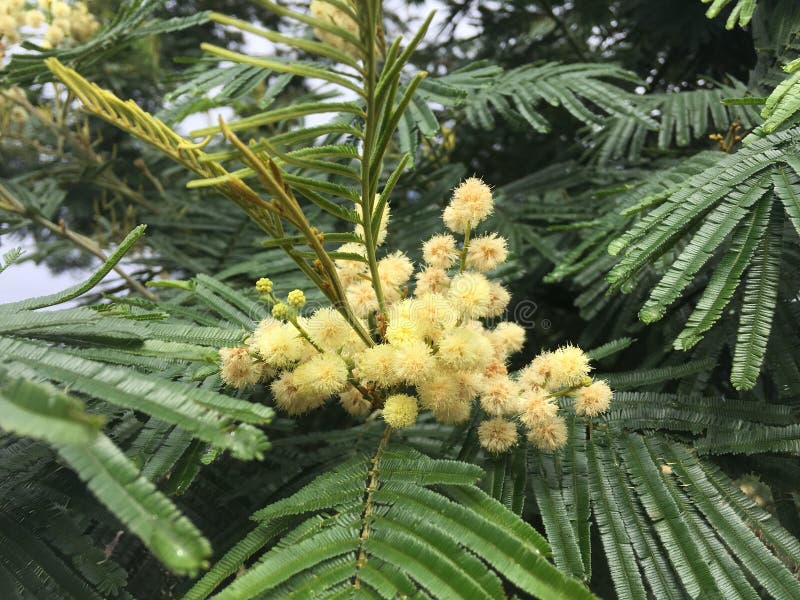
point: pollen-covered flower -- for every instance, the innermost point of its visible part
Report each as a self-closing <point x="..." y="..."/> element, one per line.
<point x="362" y="298"/>
<point x="237" y="367"/>
<point x="432" y="280"/>
<point x="400" y="410"/>
<point x="549" y="435"/>
<point x="402" y="330"/>
<point x="60" y="9"/>
<point x="470" y="384"/>
<point x="414" y="362"/>
<point x="433" y="314"/>
<point x="324" y="374"/>
<point x="280" y="346"/>
<point x="34" y="18"/>
<point x="354" y="403"/>
<point x="536" y="407"/>
<point x="395" y="270"/>
<point x="440" y="389"/>
<point x="289" y="399"/>
<point x="495" y="368"/>
<point x="499" y="297"/>
<point x="328" y="329"/>
<point x="470" y="293"/>
<point x="499" y="396"/>
<point x="593" y="400"/>
<point x="535" y="375"/>
<point x="8" y="28"/>
<point x="487" y="252"/>
<point x="326" y="12"/>
<point x="497" y="435"/>
<point x="377" y="365"/>
<point x="471" y="203"/>
<point x="54" y="36"/>
<point x="569" y="366"/>
<point x="464" y="349"/>
<point x="440" y="251"/>
<point x="507" y="338"/>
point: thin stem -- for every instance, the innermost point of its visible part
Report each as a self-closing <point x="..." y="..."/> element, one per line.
<point x="366" y="516"/>
<point x="83" y="242"/>
<point x="270" y="177"/>
<point x="370" y="132"/>
<point x="465" y="248"/>
<point x="563" y="26"/>
<point x="304" y="334"/>
<point x="567" y="391"/>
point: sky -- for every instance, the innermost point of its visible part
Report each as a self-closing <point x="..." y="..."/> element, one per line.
<point x="28" y="279"/>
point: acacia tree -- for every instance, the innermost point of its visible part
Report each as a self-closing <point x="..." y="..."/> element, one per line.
<point x="408" y="454"/>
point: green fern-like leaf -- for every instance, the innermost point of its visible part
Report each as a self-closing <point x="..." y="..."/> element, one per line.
<point x="41" y="412"/>
<point x="758" y="308"/>
<point x="387" y="525"/>
<point x="741" y="13"/>
<point x="132" y="21"/>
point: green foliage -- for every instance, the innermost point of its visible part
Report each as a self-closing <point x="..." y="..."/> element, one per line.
<point x="388" y="524"/>
<point x="740" y="14"/>
<point x="43" y="412"/>
<point x="132" y="21"/>
<point x="580" y="89"/>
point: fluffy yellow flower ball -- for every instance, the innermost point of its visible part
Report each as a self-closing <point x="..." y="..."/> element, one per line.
<point x="463" y="349"/>
<point x="440" y="251"/>
<point x="354" y="403"/>
<point x="237" y="367"/>
<point x="402" y="330"/>
<point x="497" y="435"/>
<point x="289" y="399"/>
<point x="432" y="280"/>
<point x="499" y="396"/>
<point x="549" y="435"/>
<point x="400" y="410"/>
<point x="323" y="375"/>
<point x="377" y="365"/>
<point x="472" y="202"/>
<point x="569" y="366"/>
<point x="328" y="328"/>
<point x="536" y="407"/>
<point x="414" y="362"/>
<point x="507" y="338"/>
<point x="487" y="252"/>
<point x="471" y="294"/>
<point x="362" y="298"/>
<point x="280" y="346"/>
<point x="593" y="400"/>
<point x="499" y="297"/>
<point x="395" y="270"/>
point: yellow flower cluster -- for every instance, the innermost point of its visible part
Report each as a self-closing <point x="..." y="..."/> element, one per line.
<point x="12" y="114"/>
<point x="54" y="22"/>
<point x="433" y="351"/>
